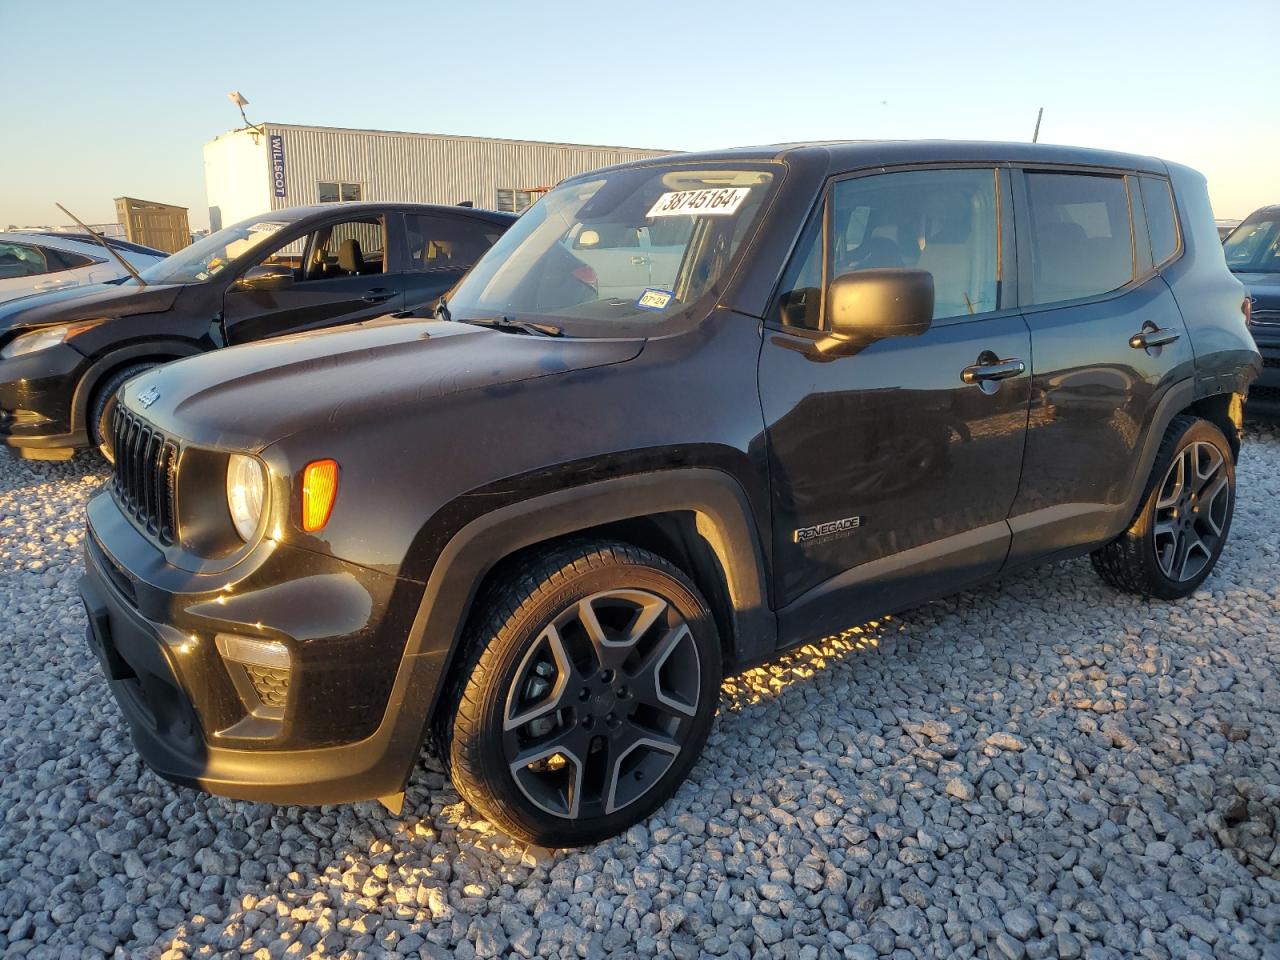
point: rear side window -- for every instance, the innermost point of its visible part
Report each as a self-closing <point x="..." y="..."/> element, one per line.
<point x="446" y="243"/>
<point x="1081" y="243"/>
<point x="942" y="221"/>
<point x="1162" y="222"/>
<point x="21" y="260"/>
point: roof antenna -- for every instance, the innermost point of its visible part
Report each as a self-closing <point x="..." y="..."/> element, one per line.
<point x="1035" y="137"/>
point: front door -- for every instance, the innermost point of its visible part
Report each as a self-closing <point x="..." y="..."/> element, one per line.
<point x="894" y="463"/>
<point x="336" y="274"/>
<point x="1108" y="344"/>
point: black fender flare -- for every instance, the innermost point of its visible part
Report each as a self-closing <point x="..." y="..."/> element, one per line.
<point x="723" y="519"/>
<point x="108" y="362"/>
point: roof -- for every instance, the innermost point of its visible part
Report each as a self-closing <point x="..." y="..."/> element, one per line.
<point x="297" y="213"/>
<point x="854" y="154"/>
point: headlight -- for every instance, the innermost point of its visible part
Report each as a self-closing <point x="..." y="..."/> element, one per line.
<point x="45" y="338"/>
<point x="246" y="492"/>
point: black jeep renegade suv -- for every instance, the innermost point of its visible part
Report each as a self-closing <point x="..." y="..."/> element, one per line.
<point x="686" y="413"/>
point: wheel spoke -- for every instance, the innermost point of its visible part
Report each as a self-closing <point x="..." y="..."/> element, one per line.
<point x="565" y="678"/>
<point x="1177" y="474"/>
<point x="557" y="790"/>
<point x="647" y="679"/>
<point x="625" y="780"/>
<point x="1207" y="502"/>
<point x="1204" y="476"/>
<point x="1192" y="545"/>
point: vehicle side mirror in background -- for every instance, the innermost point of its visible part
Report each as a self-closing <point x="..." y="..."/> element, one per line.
<point x="878" y="303"/>
<point x="274" y="276"/>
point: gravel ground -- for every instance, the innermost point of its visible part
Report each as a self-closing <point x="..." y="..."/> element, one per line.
<point x="1040" y="768"/>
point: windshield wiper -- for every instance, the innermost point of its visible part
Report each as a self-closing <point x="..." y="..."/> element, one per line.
<point x="513" y="325"/>
<point x="106" y="246"/>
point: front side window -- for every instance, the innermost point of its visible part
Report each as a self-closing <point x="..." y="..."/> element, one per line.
<point x="1162" y="221"/>
<point x="1254" y="246"/>
<point x="21" y="260"/>
<point x="942" y="221"/>
<point x="628" y="248"/>
<point x="350" y="248"/>
<point x="329" y="191"/>
<point x="1081" y="243"/>
<point x="446" y="243"/>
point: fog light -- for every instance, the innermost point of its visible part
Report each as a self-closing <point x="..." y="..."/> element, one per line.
<point x="260" y="671"/>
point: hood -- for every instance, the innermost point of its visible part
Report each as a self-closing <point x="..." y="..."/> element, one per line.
<point x="86" y="303"/>
<point x="248" y="397"/>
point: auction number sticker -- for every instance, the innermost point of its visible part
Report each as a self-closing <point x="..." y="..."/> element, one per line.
<point x="716" y="202"/>
<point x="654" y="299"/>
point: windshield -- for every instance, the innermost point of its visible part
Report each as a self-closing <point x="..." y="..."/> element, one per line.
<point x="1254" y="247"/>
<point x="205" y="258"/>
<point x="624" y="249"/>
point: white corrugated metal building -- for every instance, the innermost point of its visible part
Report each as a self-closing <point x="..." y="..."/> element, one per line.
<point x="277" y="165"/>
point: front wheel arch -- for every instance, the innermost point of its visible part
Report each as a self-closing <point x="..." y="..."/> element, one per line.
<point x="152" y="351"/>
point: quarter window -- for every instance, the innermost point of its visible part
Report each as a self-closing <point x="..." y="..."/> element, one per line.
<point x="1162" y="222"/>
<point x="446" y="243"/>
<point x="338" y="192"/>
<point x="1081" y="243"/>
<point x="942" y="221"/>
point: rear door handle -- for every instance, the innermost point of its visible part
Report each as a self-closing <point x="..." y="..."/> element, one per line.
<point x="378" y="295"/>
<point x="997" y="370"/>
<point x="1153" y="337"/>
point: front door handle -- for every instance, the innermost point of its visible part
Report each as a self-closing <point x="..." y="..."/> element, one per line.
<point x="378" y="295"/>
<point x="1153" y="336"/>
<point x="996" y="370"/>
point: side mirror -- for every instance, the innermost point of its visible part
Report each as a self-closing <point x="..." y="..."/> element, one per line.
<point x="879" y="303"/>
<point x="274" y="276"/>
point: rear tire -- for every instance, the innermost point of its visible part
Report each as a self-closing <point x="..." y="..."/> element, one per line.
<point x="1175" y="540"/>
<point x="104" y="404"/>
<point x="587" y="690"/>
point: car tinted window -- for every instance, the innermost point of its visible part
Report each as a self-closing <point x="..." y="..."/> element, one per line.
<point x="942" y="221"/>
<point x="349" y="248"/>
<point x="65" y="260"/>
<point x="447" y="243"/>
<point x="21" y="260"/>
<point x="1081" y="244"/>
<point x="1162" y="222"/>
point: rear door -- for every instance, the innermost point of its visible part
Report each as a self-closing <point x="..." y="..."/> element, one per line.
<point x="341" y="272"/>
<point x="439" y="249"/>
<point x="893" y="463"/>
<point x="1108" y="343"/>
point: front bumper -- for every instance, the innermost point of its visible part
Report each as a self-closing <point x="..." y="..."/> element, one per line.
<point x="354" y="713"/>
<point x="1264" y="395"/>
<point x="37" y="400"/>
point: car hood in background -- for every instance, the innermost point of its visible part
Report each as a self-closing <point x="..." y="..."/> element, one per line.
<point x="248" y="397"/>
<point x="86" y="303"/>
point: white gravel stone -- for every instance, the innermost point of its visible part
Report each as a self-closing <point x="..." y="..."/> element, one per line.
<point x="1036" y="768"/>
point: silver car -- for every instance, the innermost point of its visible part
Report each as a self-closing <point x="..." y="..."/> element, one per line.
<point x="36" y="262"/>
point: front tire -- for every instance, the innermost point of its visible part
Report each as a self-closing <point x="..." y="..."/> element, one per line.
<point x="1174" y="542"/>
<point x="104" y="404"/>
<point x="587" y="693"/>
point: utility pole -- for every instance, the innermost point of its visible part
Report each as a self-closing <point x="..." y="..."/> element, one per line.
<point x="1035" y="137"/>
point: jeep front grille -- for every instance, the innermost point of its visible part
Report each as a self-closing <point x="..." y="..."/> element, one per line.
<point x="146" y="462"/>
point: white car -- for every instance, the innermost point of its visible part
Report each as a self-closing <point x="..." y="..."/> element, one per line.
<point x="36" y="262"/>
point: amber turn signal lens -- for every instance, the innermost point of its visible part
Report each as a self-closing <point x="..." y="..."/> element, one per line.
<point x="319" y="490"/>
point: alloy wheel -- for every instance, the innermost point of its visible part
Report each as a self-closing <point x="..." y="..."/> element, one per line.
<point x="601" y="704"/>
<point x="1191" y="511"/>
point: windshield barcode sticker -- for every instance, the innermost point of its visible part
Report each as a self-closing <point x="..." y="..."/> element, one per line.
<point x="720" y="202"/>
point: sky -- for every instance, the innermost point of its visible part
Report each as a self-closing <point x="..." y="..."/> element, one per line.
<point x="107" y="100"/>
